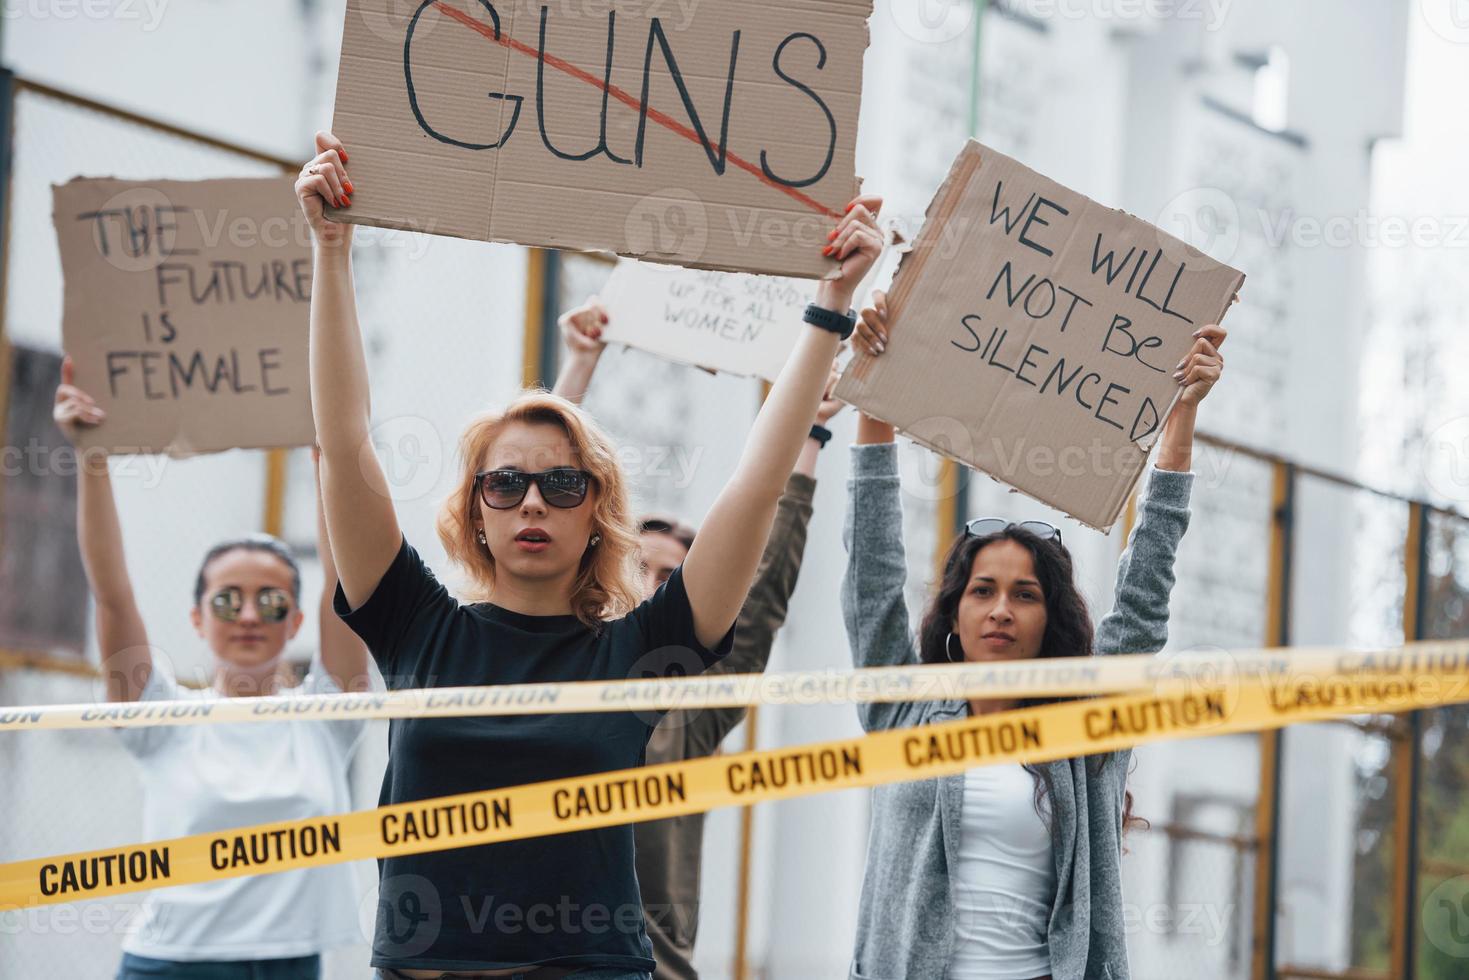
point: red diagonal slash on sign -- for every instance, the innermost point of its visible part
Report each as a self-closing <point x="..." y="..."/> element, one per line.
<point x="661" y="118"/>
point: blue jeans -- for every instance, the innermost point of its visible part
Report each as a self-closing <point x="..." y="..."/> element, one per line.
<point x="146" y="968"/>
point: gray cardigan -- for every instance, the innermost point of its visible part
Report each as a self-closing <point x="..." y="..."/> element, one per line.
<point x="905" y="921"/>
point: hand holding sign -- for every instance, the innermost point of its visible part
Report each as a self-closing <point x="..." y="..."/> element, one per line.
<point x="581" y="329"/>
<point x="872" y="326"/>
<point x="857" y="244"/>
<point x="324" y="181"/>
<point x="581" y="333"/>
<point x="1200" y="370"/>
<point x="74" y="408"/>
<point x="1197" y="374"/>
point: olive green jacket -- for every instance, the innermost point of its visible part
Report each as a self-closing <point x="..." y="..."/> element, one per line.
<point x="670" y="851"/>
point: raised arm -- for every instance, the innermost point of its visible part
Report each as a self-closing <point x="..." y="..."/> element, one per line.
<point x="722" y="562"/>
<point x="764" y="612"/>
<point x="1138" y="622"/>
<point x="581" y="335"/>
<point x="343" y="654"/>
<point x="874" y="604"/>
<point x="874" y="608"/>
<point x="122" y="640"/>
<point x="765" y="609"/>
<point x="359" y="511"/>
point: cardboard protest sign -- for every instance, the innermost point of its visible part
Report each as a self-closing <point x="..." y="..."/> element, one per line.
<point x="710" y="135"/>
<point x="1035" y="334"/>
<point x="187" y="308"/>
<point x="723" y="321"/>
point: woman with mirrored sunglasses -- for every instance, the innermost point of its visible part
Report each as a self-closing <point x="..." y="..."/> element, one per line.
<point x="247" y="606"/>
<point x="1009" y="872"/>
<point x="540" y="522"/>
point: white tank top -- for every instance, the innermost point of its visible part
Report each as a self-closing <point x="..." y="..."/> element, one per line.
<point x="1006" y="882"/>
<point x="207" y="778"/>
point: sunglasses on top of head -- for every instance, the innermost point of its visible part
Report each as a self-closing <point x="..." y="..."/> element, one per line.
<point x="985" y="526"/>
<point x="564" y="487"/>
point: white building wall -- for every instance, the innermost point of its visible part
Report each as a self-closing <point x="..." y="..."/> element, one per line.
<point x="1294" y="352"/>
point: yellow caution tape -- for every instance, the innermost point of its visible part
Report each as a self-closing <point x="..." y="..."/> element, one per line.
<point x="1029" y="735"/>
<point x="1051" y="678"/>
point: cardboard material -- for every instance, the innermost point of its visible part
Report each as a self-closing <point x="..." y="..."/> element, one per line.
<point x="187" y="309"/>
<point x="722" y="321"/>
<point x="709" y="135"/>
<point x="1034" y="335"/>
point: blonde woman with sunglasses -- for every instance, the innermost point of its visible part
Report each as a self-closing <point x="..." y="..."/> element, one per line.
<point x="196" y="779"/>
<point x="541" y="522"/>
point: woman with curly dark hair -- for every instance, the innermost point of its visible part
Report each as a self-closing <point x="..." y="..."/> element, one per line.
<point x="1003" y="872"/>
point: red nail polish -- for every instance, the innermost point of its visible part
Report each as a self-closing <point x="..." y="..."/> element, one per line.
<point x="347" y="186"/>
<point x="833" y="236"/>
<point x="344" y="156"/>
<point x="828" y="250"/>
<point x="346" y="202"/>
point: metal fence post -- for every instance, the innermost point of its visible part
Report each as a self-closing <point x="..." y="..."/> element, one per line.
<point x="542" y="308"/>
<point x="1272" y="744"/>
<point x="7" y="140"/>
<point x="1408" y="759"/>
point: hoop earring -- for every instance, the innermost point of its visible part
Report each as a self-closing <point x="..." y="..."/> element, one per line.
<point x="949" y="650"/>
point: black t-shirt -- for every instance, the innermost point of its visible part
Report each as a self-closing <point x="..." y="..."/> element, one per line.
<point x="566" y="900"/>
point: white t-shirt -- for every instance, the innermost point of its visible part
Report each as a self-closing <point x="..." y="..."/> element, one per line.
<point x="203" y="778"/>
<point x="1006" y="881"/>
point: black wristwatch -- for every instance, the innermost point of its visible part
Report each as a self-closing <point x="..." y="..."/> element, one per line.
<point x="843" y="326"/>
<point x="821" y="434"/>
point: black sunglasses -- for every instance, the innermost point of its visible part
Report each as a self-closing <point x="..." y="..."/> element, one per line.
<point x="273" y="604"/>
<point x="985" y="526"/>
<point x="564" y="487"/>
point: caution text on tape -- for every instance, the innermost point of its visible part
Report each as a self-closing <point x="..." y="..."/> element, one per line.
<point x="1025" y="736"/>
<point x="1050" y="678"/>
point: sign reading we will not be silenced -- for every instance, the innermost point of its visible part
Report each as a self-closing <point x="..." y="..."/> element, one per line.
<point x="717" y="135"/>
<point x="1035" y="335"/>
<point x="723" y="321"/>
<point x="187" y="311"/>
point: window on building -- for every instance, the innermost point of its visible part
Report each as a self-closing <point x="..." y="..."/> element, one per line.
<point x="1272" y="91"/>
